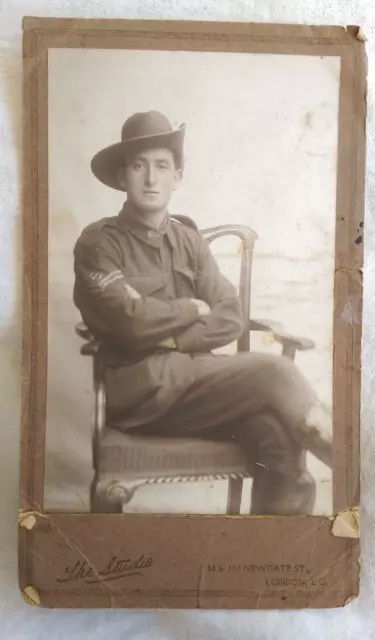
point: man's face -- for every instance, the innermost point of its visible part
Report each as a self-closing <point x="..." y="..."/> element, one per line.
<point x="150" y="178"/>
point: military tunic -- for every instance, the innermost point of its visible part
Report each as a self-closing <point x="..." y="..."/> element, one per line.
<point x="167" y="268"/>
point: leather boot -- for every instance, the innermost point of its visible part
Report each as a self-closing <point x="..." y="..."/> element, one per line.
<point x="316" y="434"/>
<point x="320" y="445"/>
<point x="277" y="494"/>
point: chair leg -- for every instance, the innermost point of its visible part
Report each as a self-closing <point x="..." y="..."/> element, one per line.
<point x="103" y="502"/>
<point x="111" y="499"/>
<point x="234" y="496"/>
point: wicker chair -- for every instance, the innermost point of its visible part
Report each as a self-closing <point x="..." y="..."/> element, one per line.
<point x="123" y="462"/>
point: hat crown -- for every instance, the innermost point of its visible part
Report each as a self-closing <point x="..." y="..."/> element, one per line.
<point x="149" y="123"/>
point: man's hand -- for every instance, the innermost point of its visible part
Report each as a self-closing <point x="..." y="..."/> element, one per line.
<point x="203" y="308"/>
<point x="132" y="292"/>
<point x="168" y="343"/>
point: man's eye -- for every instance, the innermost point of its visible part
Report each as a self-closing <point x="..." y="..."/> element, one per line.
<point x="137" y="165"/>
<point x="162" y="166"/>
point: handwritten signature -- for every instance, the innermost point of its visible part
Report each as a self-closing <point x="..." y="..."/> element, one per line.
<point x="114" y="570"/>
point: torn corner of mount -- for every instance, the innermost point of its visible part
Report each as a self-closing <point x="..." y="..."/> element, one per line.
<point x="346" y="523"/>
<point x="27" y="519"/>
<point x="31" y="596"/>
<point x="357" y="31"/>
<point x="360" y="35"/>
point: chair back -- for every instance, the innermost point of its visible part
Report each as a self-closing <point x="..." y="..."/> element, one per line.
<point x="248" y="238"/>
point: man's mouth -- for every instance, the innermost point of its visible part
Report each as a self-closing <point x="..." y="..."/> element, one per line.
<point x="149" y="192"/>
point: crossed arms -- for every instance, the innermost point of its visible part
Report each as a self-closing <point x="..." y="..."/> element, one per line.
<point x="113" y="309"/>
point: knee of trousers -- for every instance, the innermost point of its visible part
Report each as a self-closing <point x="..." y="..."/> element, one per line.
<point x="285" y="383"/>
<point x="280" y="366"/>
<point x="275" y="373"/>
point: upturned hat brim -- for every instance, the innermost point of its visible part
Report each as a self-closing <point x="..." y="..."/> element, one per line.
<point x="106" y="163"/>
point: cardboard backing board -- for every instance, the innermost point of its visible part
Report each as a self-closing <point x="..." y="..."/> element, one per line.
<point x="193" y="561"/>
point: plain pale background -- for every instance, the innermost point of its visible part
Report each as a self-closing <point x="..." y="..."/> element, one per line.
<point x="17" y="620"/>
<point x="260" y="150"/>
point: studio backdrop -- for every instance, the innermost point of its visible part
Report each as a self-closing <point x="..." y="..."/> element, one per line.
<point x="260" y="151"/>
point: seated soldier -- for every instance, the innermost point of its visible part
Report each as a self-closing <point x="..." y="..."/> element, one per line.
<point x="148" y="286"/>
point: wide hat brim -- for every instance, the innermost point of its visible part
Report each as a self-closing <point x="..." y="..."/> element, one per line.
<point x="106" y="163"/>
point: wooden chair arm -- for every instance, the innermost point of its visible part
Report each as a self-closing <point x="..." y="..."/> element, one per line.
<point x="84" y="332"/>
<point x="92" y="345"/>
<point x="91" y="348"/>
<point x="289" y="342"/>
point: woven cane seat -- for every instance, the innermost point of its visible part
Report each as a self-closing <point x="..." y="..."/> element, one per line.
<point x="144" y="456"/>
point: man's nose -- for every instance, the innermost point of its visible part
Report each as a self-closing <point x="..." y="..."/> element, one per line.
<point x="150" y="175"/>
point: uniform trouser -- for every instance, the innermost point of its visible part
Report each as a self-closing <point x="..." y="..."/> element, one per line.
<point x="262" y="402"/>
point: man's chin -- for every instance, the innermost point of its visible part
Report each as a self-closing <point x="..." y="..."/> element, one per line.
<point x="150" y="208"/>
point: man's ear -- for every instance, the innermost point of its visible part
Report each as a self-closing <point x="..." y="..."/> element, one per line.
<point x="121" y="177"/>
<point x="177" y="178"/>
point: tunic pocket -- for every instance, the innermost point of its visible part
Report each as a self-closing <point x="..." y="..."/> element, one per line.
<point x="146" y="285"/>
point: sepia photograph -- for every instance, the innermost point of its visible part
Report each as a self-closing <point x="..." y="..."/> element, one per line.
<point x="191" y="254"/>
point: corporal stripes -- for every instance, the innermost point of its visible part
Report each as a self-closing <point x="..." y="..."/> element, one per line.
<point x="103" y="281"/>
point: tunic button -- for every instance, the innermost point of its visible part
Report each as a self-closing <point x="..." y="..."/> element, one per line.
<point x="153" y="235"/>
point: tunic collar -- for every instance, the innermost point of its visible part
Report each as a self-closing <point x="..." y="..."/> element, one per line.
<point x="130" y="220"/>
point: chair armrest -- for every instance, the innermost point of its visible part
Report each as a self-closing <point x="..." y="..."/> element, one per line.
<point x="84" y="332"/>
<point x="288" y="340"/>
<point x="92" y="346"/>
